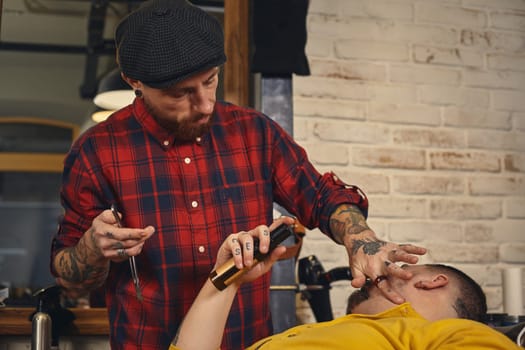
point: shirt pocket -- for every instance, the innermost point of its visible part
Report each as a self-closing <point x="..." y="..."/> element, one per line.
<point x="248" y="204"/>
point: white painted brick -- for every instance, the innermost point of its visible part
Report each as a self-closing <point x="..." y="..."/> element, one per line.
<point x="324" y="7"/>
<point x="341" y="109"/>
<point x="496" y="4"/>
<point x="485" y="275"/>
<point x="424" y="75"/>
<point x="458" y="96"/>
<point x="379" y="227"/>
<point x="419" y="231"/>
<point x="368" y="182"/>
<point x="463" y="253"/>
<point x="366" y="71"/>
<point x="437" y="138"/>
<point x="504" y="62"/>
<point x="349" y="70"/>
<point x="491" y="40"/>
<point x="300" y="129"/>
<point x="325" y="26"/>
<point x="323" y="153"/>
<point x="449" y="56"/>
<point x="476" y="118"/>
<point x="508" y="21"/>
<point x="319" y="46"/>
<point x="391" y="10"/>
<point x="465" y="161"/>
<point x="328" y="88"/>
<point x="388" y="158"/>
<point x="519" y="121"/>
<point x="479" y="232"/>
<point x="515" y="208"/>
<point x="494" y="79"/>
<point x="367" y="133"/>
<point x="508" y="100"/>
<point x="381" y="30"/>
<point x="464" y="78"/>
<point x="513" y="253"/>
<point x="493" y="185"/>
<point x="421" y="34"/>
<point x="512" y="141"/>
<point x="397" y="207"/>
<point x="427" y="184"/>
<point x="494" y="297"/>
<point x="361" y="49"/>
<point x="448" y="15"/>
<point x="404" y="113"/>
<point x="339" y="296"/>
<point x="465" y="209"/>
<point x="393" y="93"/>
<point x="501" y="231"/>
<point x="509" y="231"/>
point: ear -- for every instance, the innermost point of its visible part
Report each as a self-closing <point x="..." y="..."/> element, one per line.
<point x="134" y="83"/>
<point x="437" y="281"/>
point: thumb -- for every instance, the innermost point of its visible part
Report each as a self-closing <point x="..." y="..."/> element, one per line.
<point x="358" y="278"/>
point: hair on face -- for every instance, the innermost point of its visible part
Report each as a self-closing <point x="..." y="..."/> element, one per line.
<point x="470" y="302"/>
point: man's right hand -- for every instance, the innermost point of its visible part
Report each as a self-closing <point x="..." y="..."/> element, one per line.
<point x="116" y="243"/>
<point x="85" y="266"/>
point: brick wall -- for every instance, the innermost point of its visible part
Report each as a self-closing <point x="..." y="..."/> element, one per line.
<point x="421" y="103"/>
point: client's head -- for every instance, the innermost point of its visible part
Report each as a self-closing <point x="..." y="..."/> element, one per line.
<point x="435" y="291"/>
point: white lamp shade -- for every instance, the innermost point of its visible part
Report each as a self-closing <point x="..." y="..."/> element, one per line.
<point x="115" y="99"/>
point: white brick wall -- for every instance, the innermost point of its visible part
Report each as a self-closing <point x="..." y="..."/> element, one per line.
<point x="421" y="103"/>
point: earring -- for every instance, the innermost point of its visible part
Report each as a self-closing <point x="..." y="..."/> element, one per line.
<point x="138" y="93"/>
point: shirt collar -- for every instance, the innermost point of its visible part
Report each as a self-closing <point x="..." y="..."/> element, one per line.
<point x="150" y="124"/>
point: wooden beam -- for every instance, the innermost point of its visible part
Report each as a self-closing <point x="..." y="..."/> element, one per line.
<point x="236" y="43"/>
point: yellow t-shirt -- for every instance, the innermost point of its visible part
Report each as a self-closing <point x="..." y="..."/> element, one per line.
<point x="399" y="328"/>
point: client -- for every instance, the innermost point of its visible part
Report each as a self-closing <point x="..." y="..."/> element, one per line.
<point x="442" y="311"/>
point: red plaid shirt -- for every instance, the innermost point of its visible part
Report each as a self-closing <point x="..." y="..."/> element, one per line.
<point x="194" y="194"/>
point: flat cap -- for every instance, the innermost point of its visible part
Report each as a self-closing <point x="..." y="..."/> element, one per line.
<point x="165" y="41"/>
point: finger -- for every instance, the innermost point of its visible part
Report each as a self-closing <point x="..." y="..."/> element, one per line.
<point x="246" y="241"/>
<point x="128" y="238"/>
<point x="393" y="269"/>
<point x="398" y="255"/>
<point x="121" y="234"/>
<point x="358" y="278"/>
<point x="264" y="239"/>
<point x="384" y="286"/>
<point x="413" y="249"/>
<point x="236" y="250"/>
<point x="121" y="253"/>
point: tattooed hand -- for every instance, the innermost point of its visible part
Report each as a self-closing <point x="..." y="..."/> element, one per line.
<point x="85" y="266"/>
<point x="371" y="258"/>
<point x="239" y="247"/>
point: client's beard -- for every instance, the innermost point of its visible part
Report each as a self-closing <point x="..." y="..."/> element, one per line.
<point x="185" y="130"/>
<point x="356" y="298"/>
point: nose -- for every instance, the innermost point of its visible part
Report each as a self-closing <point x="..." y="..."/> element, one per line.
<point x="203" y="101"/>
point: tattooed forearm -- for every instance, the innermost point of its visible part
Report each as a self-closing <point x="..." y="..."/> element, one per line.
<point x="73" y="266"/>
<point x="369" y="247"/>
<point x="347" y="220"/>
<point x="82" y="264"/>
